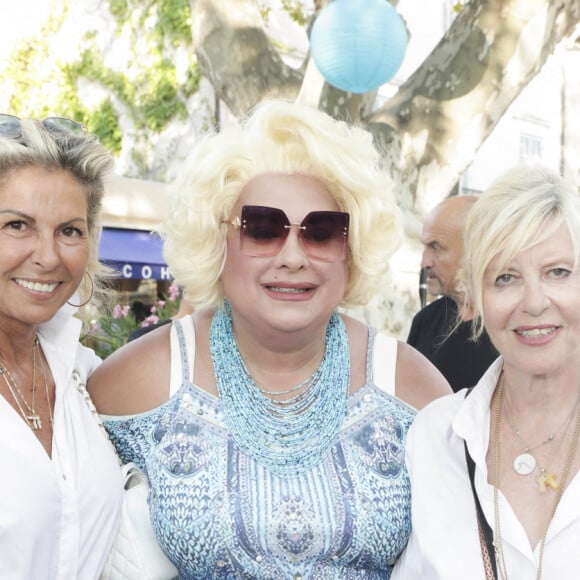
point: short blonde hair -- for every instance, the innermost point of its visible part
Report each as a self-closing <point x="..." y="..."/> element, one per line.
<point x="287" y="138"/>
<point x="522" y="208"/>
<point x="83" y="157"/>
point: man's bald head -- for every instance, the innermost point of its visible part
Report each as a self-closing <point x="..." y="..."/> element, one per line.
<point x="442" y="239"/>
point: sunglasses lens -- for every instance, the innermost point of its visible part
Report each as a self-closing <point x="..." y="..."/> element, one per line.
<point x="325" y="234"/>
<point x="263" y="230"/>
<point x="63" y="125"/>
<point x="10" y="126"/>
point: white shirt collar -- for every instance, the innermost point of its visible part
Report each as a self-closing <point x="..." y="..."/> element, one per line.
<point x="472" y="421"/>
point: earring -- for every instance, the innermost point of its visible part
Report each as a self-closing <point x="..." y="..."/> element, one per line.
<point x="90" y="296"/>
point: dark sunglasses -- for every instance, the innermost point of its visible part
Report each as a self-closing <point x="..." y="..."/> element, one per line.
<point x="263" y="231"/>
<point x="11" y="126"/>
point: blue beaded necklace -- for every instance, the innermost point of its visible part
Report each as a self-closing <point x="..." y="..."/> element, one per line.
<point x="289" y="436"/>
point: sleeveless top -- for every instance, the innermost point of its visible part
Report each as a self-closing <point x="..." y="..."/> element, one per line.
<point x="217" y="513"/>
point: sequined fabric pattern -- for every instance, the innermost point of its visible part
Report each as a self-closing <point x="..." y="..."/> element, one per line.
<point x="219" y="514"/>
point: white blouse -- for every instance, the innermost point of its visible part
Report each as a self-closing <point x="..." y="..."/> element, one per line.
<point x="444" y="543"/>
<point x="57" y="515"/>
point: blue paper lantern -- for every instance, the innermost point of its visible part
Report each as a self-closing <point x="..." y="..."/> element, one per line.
<point x="358" y="45"/>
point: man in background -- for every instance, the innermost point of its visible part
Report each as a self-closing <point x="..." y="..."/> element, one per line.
<point x="461" y="360"/>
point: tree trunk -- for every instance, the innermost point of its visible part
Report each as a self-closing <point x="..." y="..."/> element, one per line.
<point x="235" y="54"/>
<point x="431" y="129"/>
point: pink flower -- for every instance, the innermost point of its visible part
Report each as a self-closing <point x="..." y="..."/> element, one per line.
<point x="173" y="292"/>
<point x="150" y="320"/>
<point x="120" y="311"/>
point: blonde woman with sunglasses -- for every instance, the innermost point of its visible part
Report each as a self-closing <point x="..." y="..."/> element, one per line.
<point x="272" y="427"/>
<point x="60" y="485"/>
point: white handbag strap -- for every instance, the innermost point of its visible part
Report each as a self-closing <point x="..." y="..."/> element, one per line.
<point x="85" y="395"/>
<point x="385" y="363"/>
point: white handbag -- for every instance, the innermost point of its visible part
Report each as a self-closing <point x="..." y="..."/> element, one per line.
<point x="135" y="553"/>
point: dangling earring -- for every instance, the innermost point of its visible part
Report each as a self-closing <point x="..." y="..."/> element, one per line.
<point x="89" y="298"/>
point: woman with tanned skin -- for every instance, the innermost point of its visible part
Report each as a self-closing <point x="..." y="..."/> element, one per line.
<point x="60" y="488"/>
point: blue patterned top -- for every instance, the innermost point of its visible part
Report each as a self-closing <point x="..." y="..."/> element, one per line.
<point x="219" y="514"/>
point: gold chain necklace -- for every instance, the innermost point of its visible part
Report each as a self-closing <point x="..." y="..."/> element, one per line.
<point x="497" y="543"/>
<point x="525" y="463"/>
<point x="48" y="402"/>
<point x="31" y="418"/>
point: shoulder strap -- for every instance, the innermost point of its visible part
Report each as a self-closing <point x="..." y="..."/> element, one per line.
<point x="182" y="348"/>
<point x="87" y="398"/>
<point x="385" y="363"/>
<point x="485" y="533"/>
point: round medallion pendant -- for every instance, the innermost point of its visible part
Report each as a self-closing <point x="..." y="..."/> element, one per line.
<point x="524" y="463"/>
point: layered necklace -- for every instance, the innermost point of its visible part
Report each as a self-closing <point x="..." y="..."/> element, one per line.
<point x="287" y="436"/>
<point x="26" y="409"/>
<point x="525" y="463"/>
<point x="498" y="544"/>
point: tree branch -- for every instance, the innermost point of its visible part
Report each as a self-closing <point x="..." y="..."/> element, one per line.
<point x="449" y="106"/>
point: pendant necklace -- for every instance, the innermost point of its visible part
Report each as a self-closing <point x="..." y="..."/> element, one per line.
<point x="526" y="463"/>
<point x="28" y="411"/>
<point x="497" y="543"/>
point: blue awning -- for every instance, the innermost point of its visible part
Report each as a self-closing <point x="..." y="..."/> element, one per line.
<point x="134" y="254"/>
